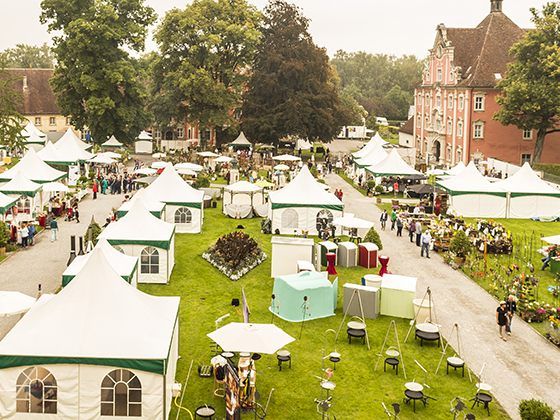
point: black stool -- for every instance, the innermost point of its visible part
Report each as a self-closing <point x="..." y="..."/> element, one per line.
<point x="414" y="396"/>
<point x="353" y="333"/>
<point x="393" y="362"/>
<point x="456" y="363"/>
<point x="428" y="336"/>
<point x="204" y="412"/>
<point x="484" y="399"/>
<point x="334" y="359"/>
<point x="284" y="356"/>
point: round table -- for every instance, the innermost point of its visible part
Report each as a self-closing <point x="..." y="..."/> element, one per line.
<point x="227" y="355"/>
<point x="414" y="386"/>
<point x="427" y="327"/>
<point x="392" y="353"/>
<point x="481" y="386"/>
<point x="356" y="325"/>
<point x="331" y="258"/>
<point x="205" y="412"/>
<point x="372" y="280"/>
<point x="283" y="353"/>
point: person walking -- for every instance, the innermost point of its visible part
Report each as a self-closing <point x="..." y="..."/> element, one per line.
<point x="104" y="185"/>
<point x="511" y="307"/>
<point x="31" y="230"/>
<point x="54" y="229"/>
<point x="426" y="240"/>
<point x="411" y="230"/>
<point x="24" y="232"/>
<point x="396" y="188"/>
<point x="502" y="319"/>
<point x="383" y="219"/>
<point x="76" y="213"/>
<point x="95" y="189"/>
<point x="399" y="226"/>
<point x="418" y="231"/>
<point x="393" y="219"/>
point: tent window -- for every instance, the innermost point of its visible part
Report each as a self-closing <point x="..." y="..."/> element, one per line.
<point x="24" y="205"/>
<point x="149" y="261"/>
<point x="324" y="217"/>
<point x="36" y="391"/>
<point x="183" y="215"/>
<point x="121" y="394"/>
<point x="290" y="219"/>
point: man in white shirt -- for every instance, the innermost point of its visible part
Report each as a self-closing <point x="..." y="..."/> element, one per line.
<point x="426" y="239"/>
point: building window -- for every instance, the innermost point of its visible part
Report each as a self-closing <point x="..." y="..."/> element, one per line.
<point x="37" y="120"/>
<point x="479" y="103"/>
<point x="189" y="133"/>
<point x="478" y="130"/>
<point x="149" y="261"/>
<point x="439" y="75"/>
<point x="527" y="134"/>
<point x="183" y="215"/>
<point x="460" y="129"/>
<point x="121" y="394"/>
<point x="36" y="391"/>
<point x="450" y="102"/>
<point x="180" y="133"/>
<point x="449" y="127"/>
<point x="525" y="158"/>
<point x="461" y="102"/>
<point x="438" y="101"/>
<point x="68" y="120"/>
<point x="52" y="120"/>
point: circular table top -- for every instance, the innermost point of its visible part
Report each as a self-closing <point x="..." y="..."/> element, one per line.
<point x="427" y="327"/>
<point x="244" y="354"/>
<point x="356" y="325"/>
<point x="392" y="353"/>
<point x="334" y="354"/>
<point x="328" y="385"/>
<point x="227" y="354"/>
<point x="205" y="411"/>
<point x="455" y="361"/>
<point x="414" y="386"/>
<point x="283" y="353"/>
<point x="484" y="387"/>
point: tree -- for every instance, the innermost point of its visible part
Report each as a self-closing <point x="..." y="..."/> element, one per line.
<point x="202" y="66"/>
<point x="12" y="121"/>
<point x="95" y="80"/>
<point x="293" y="89"/>
<point x="530" y="90"/>
<point x="28" y="56"/>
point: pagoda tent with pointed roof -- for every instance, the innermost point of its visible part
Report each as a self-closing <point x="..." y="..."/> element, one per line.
<point x="241" y="142"/>
<point x="393" y="165"/>
<point x="34" y="169"/>
<point x="242" y="193"/>
<point x="299" y="205"/>
<point x="157" y="208"/>
<point x="144" y="143"/>
<point x="472" y="195"/>
<point x="83" y="344"/>
<point x="530" y="196"/>
<point x="140" y="234"/>
<point x="184" y="205"/>
<point x="71" y="148"/>
<point x="51" y="155"/>
<point x="374" y="142"/>
<point x="112" y="143"/>
<point x="34" y="138"/>
<point x="124" y="265"/>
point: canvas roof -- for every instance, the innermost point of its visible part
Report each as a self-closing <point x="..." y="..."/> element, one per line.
<point x="20" y="185"/>
<point x="151" y="205"/>
<point x="376" y="140"/>
<point x="112" y="142"/>
<point x="170" y="188"/>
<point x="526" y="182"/>
<point x="241" y="140"/>
<point x="33" y="168"/>
<point x="470" y="180"/>
<point x="457" y="169"/>
<point x="393" y="164"/>
<point x="144" y="135"/>
<point x="6" y="202"/>
<point x="32" y="134"/>
<point x="304" y="191"/>
<point x="50" y="154"/>
<point x="375" y="155"/>
<point x="242" y="187"/>
<point x="72" y="148"/>
<point x="98" y="316"/>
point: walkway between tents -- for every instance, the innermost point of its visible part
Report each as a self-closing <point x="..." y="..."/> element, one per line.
<point x="524" y="367"/>
<point x="44" y="262"/>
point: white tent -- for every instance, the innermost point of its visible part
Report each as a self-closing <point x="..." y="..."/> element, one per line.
<point x="112" y="142"/>
<point x="33" y="168"/>
<point x="55" y="187"/>
<point x="71" y="148"/>
<point x="223" y="159"/>
<point x="112" y="155"/>
<point x="207" y="154"/>
<point x="457" y="169"/>
<point x="298" y="205"/>
<point x="392" y="165"/>
<point x="529" y="195"/>
<point x="251" y="338"/>
<point x="472" y="195"/>
<point x="286" y="158"/>
<point x="241" y="141"/>
<point x="51" y="155"/>
<point x="96" y="333"/>
<point x="6" y="203"/>
<point x="124" y="265"/>
<point x="189" y="166"/>
<point x="375" y="141"/>
<point x="302" y="144"/>
<point x="27" y="192"/>
<point x="375" y="155"/>
<point x="102" y="160"/>
<point x="34" y="138"/>
<point x="242" y="193"/>
<point x="70" y="136"/>
<point x="143" y="143"/>
<point x="157" y="208"/>
<point x="140" y="234"/>
<point x="184" y="204"/>
<point x="15" y="303"/>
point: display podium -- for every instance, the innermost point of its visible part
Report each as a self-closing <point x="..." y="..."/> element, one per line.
<point x="287" y="254"/>
<point x="397" y="294"/>
<point x="369" y="297"/>
<point x="368" y="254"/>
<point x="347" y="254"/>
<point x="327" y="247"/>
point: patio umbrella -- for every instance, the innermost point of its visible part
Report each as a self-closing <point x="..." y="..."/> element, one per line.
<point x="158" y="155"/>
<point x="102" y="160"/>
<point x="250" y="338"/>
<point x="207" y="154"/>
<point x="223" y="159"/>
<point x="159" y="165"/>
<point x="190" y="166"/>
<point x="348" y="221"/>
<point x="281" y="167"/>
<point x="188" y="172"/>
<point x="14" y="303"/>
<point x="286" y="158"/>
<point x="553" y="240"/>
<point x="146" y="180"/>
<point x="55" y="187"/>
<point x="112" y="155"/>
<point x="145" y="171"/>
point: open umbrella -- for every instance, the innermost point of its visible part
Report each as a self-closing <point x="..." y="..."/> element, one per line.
<point x="55" y="187"/>
<point x="102" y="160"/>
<point x="553" y="240"/>
<point x="348" y="221"/>
<point x="223" y="159"/>
<point x="281" y="167"/>
<point x="112" y="155"/>
<point x="190" y="166"/>
<point x="286" y="158"/>
<point x="207" y="154"/>
<point x="159" y="165"/>
<point x="250" y="338"/>
<point x="145" y="171"/>
<point x="422" y="189"/>
<point x="188" y="172"/>
<point x="14" y="303"/>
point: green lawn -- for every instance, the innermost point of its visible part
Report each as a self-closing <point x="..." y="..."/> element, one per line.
<point x="206" y="295"/>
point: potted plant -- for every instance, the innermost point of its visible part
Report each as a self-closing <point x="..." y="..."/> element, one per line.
<point x="460" y="246"/>
<point x="378" y="191"/>
<point x="4" y="238"/>
<point x="370" y="186"/>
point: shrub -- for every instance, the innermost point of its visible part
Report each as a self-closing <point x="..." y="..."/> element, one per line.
<point x="4" y="235"/>
<point x="460" y="244"/>
<point x="373" y="236"/>
<point x="379" y="189"/>
<point x="535" y="410"/>
<point x="202" y="181"/>
<point x="95" y="231"/>
<point x="371" y="184"/>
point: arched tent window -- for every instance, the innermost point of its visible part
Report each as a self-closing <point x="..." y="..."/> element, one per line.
<point x="183" y="215"/>
<point x="324" y="217"/>
<point x="36" y="391"/>
<point x="289" y="219"/>
<point x="121" y="394"/>
<point x="149" y="261"/>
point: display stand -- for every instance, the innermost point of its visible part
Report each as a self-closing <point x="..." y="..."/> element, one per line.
<point x="458" y="353"/>
<point x="393" y="326"/>
<point x="355" y="292"/>
<point x="427" y="295"/>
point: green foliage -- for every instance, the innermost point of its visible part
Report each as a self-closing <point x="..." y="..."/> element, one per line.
<point x="371" y="184"/>
<point x="95" y="230"/>
<point x="202" y="181"/>
<point x="379" y="189"/>
<point x="535" y="410"/>
<point x="373" y="236"/>
<point x="553" y="168"/>
<point x="292" y="90"/>
<point x="11" y="121"/>
<point x="460" y="244"/>
<point x="4" y="235"/>
<point x="95" y="80"/>
<point x="530" y="97"/>
<point x="205" y="50"/>
<point x="28" y="56"/>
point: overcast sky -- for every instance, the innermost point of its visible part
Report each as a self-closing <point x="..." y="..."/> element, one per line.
<point x="377" y="26"/>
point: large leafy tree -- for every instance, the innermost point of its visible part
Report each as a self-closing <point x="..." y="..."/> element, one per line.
<point x="28" y="56"/>
<point x="530" y="91"/>
<point x="95" y="80"/>
<point x="205" y="51"/>
<point x="12" y="121"/>
<point x="292" y="90"/>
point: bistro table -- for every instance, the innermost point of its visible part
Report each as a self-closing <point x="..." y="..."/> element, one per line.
<point x="427" y="331"/>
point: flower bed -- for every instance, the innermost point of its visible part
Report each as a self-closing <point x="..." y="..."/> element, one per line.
<point x="235" y="254"/>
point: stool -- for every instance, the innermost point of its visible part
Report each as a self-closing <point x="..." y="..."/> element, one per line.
<point x="456" y="363"/>
<point x="204" y="412"/>
<point x="428" y="336"/>
<point x="484" y="399"/>
<point x="354" y="333"/>
<point x="414" y="395"/>
<point x="334" y="358"/>
<point x="393" y="362"/>
<point x="284" y="356"/>
<point x="256" y="356"/>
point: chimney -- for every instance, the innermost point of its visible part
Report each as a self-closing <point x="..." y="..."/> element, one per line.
<point x="495" y="5"/>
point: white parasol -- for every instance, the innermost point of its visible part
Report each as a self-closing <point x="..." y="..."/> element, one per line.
<point x="159" y="165"/>
<point x="145" y="171"/>
<point x="102" y="160"/>
<point x="223" y="159"/>
<point x="15" y="303"/>
<point x="190" y="166"/>
<point x="158" y="155"/>
<point x="281" y="167"/>
<point x="286" y="158"/>
<point x="553" y="240"/>
<point x="207" y="154"/>
<point x="251" y="338"/>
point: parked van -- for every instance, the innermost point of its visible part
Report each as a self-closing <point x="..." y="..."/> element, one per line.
<point x="381" y="121"/>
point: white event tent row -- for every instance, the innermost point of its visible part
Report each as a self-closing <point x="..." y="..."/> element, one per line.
<point x="34" y="138"/>
<point x="71" y="354"/>
<point x="298" y="206"/>
<point x="157" y="208"/>
<point x="392" y="165"/>
<point x="375" y="141"/>
<point x="375" y="155"/>
<point x="71" y="148"/>
<point x="33" y="168"/>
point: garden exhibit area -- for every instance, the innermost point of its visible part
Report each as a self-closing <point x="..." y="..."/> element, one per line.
<point x="206" y="295"/>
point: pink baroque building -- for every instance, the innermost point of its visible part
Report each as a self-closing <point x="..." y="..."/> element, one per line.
<point x="456" y="102"/>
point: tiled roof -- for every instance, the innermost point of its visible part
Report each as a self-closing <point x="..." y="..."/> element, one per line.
<point x="38" y="97"/>
<point x="408" y="127"/>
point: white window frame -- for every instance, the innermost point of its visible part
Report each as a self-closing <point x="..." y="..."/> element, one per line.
<point x="439" y="73"/>
<point x="478" y="130"/>
<point x="449" y="126"/>
<point x="183" y="213"/>
<point x="68" y="120"/>
<point x="181" y="133"/>
<point x="149" y="266"/>
<point x="525" y="136"/>
<point x="108" y="393"/>
<point x="52" y="121"/>
<point x="479" y="103"/>
<point x="438" y="101"/>
<point x="38" y="121"/>
<point x="49" y="390"/>
<point x="450" y="101"/>
<point x="461" y="102"/>
<point x="460" y="129"/>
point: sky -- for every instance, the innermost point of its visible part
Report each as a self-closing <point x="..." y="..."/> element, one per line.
<point x="394" y="27"/>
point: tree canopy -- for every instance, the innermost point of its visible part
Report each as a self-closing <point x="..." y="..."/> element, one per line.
<point x="95" y="80"/>
<point x="530" y="90"/>
<point x="27" y="56"/>
<point x="11" y="120"/>
<point x="293" y="89"/>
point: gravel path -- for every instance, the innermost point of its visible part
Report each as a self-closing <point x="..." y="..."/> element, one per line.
<point x="526" y="366"/>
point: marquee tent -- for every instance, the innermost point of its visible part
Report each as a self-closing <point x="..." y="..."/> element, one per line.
<point x="457" y="169"/>
<point x="34" y="138"/>
<point x="112" y="142"/>
<point x="98" y="347"/>
<point x="392" y="165"/>
<point x="375" y="141"/>
<point x="140" y="234"/>
<point x="51" y="155"/>
<point x="189" y="166"/>
<point x="27" y="192"/>
<point x="124" y="265"/>
<point x="298" y="205"/>
<point x="302" y="144"/>
<point x="241" y="142"/>
<point x="72" y="148"/>
<point x="155" y="207"/>
<point x="6" y="203"/>
<point x="376" y="155"/>
<point x="529" y="195"/>
<point x="184" y="204"/>
<point x="286" y="158"/>
<point x="472" y="195"/>
<point x="242" y="193"/>
<point x="33" y="168"/>
<point x="144" y="143"/>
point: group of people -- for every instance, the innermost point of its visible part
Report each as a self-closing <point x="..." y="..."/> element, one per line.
<point x="423" y="238"/>
<point x="113" y="183"/>
<point x="504" y="315"/>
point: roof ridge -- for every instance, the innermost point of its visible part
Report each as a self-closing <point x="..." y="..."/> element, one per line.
<point x="474" y="73"/>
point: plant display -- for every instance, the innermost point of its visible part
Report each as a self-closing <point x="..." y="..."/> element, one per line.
<point x="535" y="410"/>
<point x="379" y="189"/>
<point x="4" y="235"/>
<point x="202" y="181"/>
<point x="235" y="254"/>
<point x="460" y="244"/>
<point x="373" y="236"/>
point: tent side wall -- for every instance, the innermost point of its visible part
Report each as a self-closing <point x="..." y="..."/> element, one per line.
<point x="243" y="199"/>
<point x="162" y="277"/>
<point x="306" y="219"/>
<point x="171" y="369"/>
<point x="196" y="222"/>
<point x="479" y="205"/>
<point x="527" y="206"/>
<point x="143" y="147"/>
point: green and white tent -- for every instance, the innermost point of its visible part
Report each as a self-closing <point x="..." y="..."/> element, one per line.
<point x="140" y="234"/>
<point x="51" y="155"/>
<point x="32" y="167"/>
<point x="374" y="142"/>
<point x="72" y="149"/>
<point x="112" y="143"/>
<point x="298" y="206"/>
<point x="157" y="208"/>
<point x="6" y="203"/>
<point x="392" y="165"/>
<point x="97" y="332"/>
<point x="34" y="138"/>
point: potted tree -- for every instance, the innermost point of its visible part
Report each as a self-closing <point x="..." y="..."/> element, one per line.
<point x="378" y="191"/>
<point x="4" y="238"/>
<point x="370" y="186"/>
<point x="460" y="246"/>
